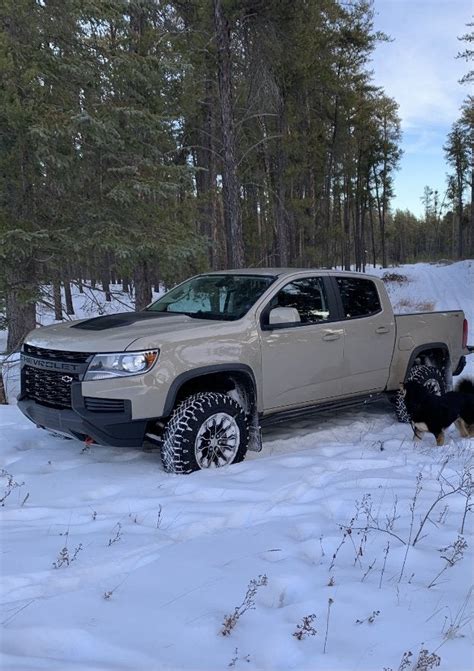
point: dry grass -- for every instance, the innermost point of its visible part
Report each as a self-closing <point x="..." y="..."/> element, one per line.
<point x="405" y="305"/>
<point x="248" y="603"/>
<point x="395" y="277"/>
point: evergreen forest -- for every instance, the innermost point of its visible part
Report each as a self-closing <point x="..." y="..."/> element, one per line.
<point x="143" y="141"/>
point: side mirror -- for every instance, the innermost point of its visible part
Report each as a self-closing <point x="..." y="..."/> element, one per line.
<point x="279" y="316"/>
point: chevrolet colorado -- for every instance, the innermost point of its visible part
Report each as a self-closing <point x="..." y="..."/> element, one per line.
<point x="200" y="370"/>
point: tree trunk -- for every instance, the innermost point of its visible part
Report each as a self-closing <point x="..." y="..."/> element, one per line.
<point x="268" y="220"/>
<point x="20" y="308"/>
<point x="230" y="184"/>
<point x="381" y="214"/>
<point x="372" y="232"/>
<point x="142" y="283"/>
<point x="68" y="297"/>
<point x="206" y="172"/>
<point x="460" y="216"/>
<point x="3" y="395"/>
<point x="363" y="250"/>
<point x="471" y="212"/>
<point x="281" y="218"/>
<point x="106" y="288"/>
<point x="58" y="306"/>
<point x="346" y="228"/>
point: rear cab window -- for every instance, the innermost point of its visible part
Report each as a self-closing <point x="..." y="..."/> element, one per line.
<point x="359" y="297"/>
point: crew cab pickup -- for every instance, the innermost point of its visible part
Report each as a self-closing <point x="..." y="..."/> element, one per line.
<point x="200" y="370"/>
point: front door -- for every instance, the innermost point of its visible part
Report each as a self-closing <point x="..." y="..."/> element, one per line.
<point x="302" y="363"/>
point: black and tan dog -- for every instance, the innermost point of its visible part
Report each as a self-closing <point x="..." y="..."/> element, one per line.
<point x="433" y="414"/>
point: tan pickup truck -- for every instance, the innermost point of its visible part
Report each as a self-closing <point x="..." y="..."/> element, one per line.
<point x="206" y="365"/>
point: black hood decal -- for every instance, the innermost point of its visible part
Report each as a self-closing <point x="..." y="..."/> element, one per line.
<point x="117" y="320"/>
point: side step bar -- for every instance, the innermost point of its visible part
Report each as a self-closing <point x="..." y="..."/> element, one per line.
<point x="307" y="411"/>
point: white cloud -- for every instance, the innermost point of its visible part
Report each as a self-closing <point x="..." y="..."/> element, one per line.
<point x="419" y="68"/>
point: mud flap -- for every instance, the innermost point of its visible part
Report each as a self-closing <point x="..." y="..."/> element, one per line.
<point x="255" y="442"/>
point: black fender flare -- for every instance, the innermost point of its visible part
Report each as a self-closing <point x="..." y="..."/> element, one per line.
<point x="195" y="373"/>
<point x="425" y="348"/>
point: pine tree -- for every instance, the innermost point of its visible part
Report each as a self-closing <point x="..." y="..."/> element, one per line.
<point x="22" y="233"/>
<point x="467" y="54"/>
<point x="457" y="155"/>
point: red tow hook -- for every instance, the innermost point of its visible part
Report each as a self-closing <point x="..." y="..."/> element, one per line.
<point x="89" y="441"/>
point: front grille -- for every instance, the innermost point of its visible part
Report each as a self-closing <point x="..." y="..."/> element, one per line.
<point x="48" y="387"/>
<point x="56" y="355"/>
<point x="47" y="383"/>
<point x="104" y="404"/>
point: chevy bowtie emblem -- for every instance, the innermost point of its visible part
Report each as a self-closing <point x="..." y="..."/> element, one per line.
<point x="66" y="378"/>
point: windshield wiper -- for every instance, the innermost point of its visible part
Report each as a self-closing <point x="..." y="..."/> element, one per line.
<point x="200" y="314"/>
<point x="178" y="312"/>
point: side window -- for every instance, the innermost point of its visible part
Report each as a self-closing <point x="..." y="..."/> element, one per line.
<point x="308" y="296"/>
<point x="359" y="297"/>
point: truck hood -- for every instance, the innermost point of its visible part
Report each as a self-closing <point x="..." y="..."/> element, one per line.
<point x="113" y="333"/>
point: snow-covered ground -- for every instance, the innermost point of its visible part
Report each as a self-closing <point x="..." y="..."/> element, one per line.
<point x="110" y="564"/>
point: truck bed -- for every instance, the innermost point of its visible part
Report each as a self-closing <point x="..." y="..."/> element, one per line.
<point x="422" y="329"/>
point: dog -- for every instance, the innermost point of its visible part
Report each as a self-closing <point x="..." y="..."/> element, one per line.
<point x="434" y="414"/>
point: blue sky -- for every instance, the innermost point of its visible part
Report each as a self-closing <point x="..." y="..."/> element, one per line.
<point x="419" y="69"/>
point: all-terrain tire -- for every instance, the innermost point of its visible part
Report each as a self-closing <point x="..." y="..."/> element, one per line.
<point x="430" y="377"/>
<point x="185" y="433"/>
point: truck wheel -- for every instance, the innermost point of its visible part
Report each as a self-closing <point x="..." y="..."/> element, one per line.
<point x="206" y="430"/>
<point x="431" y="378"/>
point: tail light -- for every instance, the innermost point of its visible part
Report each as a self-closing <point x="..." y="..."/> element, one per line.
<point x="465" y="331"/>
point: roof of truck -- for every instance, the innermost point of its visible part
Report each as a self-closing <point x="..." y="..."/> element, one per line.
<point x="278" y="272"/>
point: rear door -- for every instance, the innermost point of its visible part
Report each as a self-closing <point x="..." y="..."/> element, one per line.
<point x="302" y="363"/>
<point x="369" y="335"/>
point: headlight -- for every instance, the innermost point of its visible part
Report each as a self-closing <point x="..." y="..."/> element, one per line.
<point x="104" y="366"/>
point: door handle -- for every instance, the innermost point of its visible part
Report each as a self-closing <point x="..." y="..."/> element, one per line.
<point x="332" y="335"/>
<point x="382" y="329"/>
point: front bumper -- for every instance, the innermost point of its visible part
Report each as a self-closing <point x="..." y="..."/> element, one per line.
<point x="116" y="429"/>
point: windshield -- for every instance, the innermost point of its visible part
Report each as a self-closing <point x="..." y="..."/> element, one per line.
<point x="214" y="296"/>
